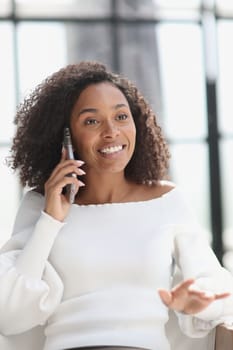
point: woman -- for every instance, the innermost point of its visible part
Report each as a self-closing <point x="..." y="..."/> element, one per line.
<point x="98" y="273"/>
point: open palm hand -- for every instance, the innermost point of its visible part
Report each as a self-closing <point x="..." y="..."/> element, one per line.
<point x="186" y="298"/>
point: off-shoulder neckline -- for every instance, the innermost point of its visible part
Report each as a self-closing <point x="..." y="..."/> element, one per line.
<point x="114" y="204"/>
<point x="118" y="204"/>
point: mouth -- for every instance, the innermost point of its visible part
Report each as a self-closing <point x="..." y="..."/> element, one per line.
<point x="111" y="150"/>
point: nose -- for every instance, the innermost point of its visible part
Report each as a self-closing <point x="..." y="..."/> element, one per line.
<point x="110" y="130"/>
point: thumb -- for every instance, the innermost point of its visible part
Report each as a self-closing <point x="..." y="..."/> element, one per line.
<point x="165" y="296"/>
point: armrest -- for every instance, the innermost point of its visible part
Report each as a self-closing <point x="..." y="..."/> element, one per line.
<point x="224" y="338"/>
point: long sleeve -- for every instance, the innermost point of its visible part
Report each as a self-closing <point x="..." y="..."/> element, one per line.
<point x="30" y="287"/>
<point x="196" y="260"/>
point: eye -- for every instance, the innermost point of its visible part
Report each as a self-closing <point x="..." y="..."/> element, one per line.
<point x="91" y="121"/>
<point x="122" y="116"/>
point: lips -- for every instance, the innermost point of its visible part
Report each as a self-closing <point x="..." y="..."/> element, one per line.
<point x="111" y="149"/>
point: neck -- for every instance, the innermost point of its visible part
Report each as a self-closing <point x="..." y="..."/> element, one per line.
<point x="104" y="188"/>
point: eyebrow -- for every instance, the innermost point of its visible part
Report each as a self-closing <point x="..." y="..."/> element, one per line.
<point x="95" y="110"/>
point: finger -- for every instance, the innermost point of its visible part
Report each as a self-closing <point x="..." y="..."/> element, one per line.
<point x="72" y="191"/>
<point x="202" y="295"/>
<point x="185" y="284"/>
<point x="80" y="171"/>
<point x="69" y="181"/>
<point x="66" y="168"/>
<point x="165" y="296"/>
<point x="194" y="290"/>
<point x="80" y="162"/>
<point x="182" y="287"/>
<point x="61" y="165"/>
<point x="81" y="184"/>
<point x="58" y="184"/>
<point x="222" y="295"/>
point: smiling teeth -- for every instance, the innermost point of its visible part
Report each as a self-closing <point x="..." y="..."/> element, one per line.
<point x="111" y="149"/>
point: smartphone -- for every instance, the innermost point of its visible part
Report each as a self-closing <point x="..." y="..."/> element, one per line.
<point x="67" y="143"/>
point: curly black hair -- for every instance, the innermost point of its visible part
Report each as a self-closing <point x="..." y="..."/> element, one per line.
<point x="42" y="116"/>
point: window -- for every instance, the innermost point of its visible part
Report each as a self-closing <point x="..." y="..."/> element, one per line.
<point x="163" y="46"/>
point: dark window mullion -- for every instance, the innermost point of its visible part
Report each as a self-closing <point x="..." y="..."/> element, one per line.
<point x="214" y="163"/>
<point x="210" y="56"/>
<point x="115" y="38"/>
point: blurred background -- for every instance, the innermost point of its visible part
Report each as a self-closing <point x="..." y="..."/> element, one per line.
<point x="180" y="55"/>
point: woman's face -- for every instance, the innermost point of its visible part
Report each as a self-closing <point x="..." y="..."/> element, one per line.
<point x="103" y="129"/>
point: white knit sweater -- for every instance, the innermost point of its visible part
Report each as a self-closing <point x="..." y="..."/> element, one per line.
<point x="93" y="280"/>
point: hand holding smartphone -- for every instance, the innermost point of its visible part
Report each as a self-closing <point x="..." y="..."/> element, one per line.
<point x="70" y="189"/>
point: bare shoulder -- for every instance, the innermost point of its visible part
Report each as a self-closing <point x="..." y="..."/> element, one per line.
<point x="161" y="188"/>
<point x="145" y="192"/>
<point x="166" y="186"/>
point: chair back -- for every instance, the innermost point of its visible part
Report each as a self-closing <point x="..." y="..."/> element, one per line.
<point x="223" y="338"/>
